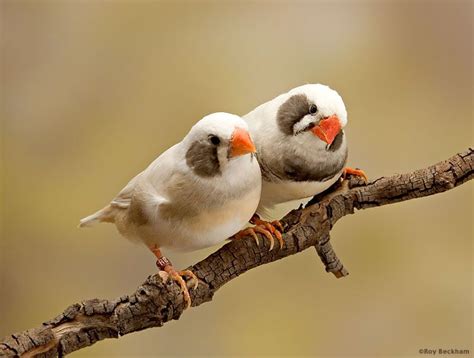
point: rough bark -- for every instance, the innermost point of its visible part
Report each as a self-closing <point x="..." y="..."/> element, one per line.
<point x="158" y="300"/>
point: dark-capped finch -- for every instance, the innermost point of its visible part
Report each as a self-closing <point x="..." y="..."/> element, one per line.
<point x="301" y="144"/>
<point x="196" y="194"/>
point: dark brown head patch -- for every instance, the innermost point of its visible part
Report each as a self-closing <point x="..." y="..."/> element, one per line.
<point x="202" y="158"/>
<point x="291" y="112"/>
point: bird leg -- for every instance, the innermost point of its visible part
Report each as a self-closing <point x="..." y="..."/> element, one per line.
<point x="165" y="265"/>
<point x="269" y="229"/>
<point x="357" y="172"/>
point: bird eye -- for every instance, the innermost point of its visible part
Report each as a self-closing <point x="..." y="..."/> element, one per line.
<point x="214" y="139"/>
<point x="313" y="109"/>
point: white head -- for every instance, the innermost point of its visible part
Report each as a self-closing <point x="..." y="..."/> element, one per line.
<point x="299" y="134"/>
<point x="312" y="109"/>
<point x="216" y="140"/>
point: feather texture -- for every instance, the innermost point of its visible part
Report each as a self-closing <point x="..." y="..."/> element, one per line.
<point x="193" y="195"/>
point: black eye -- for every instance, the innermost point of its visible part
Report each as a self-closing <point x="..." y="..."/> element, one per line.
<point x="214" y="139"/>
<point x="313" y="109"/>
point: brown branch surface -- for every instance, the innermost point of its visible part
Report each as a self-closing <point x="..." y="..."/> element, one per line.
<point x="156" y="302"/>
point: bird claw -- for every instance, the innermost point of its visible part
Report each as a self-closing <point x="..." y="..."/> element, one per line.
<point x="265" y="228"/>
<point x="246" y="232"/>
<point x="356" y="172"/>
<point x="267" y="233"/>
<point x="177" y="276"/>
<point x="271" y="227"/>
<point x="167" y="271"/>
<point x="191" y="276"/>
<point x="278" y="224"/>
<point x="164" y="275"/>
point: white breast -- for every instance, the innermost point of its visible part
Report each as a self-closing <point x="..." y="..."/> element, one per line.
<point x="209" y="227"/>
<point x="274" y="193"/>
<point x="214" y="223"/>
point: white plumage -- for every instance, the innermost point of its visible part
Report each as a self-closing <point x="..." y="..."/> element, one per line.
<point x="194" y="195"/>
<point x="293" y="161"/>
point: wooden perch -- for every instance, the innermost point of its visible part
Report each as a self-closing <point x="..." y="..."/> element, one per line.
<point x="156" y="302"/>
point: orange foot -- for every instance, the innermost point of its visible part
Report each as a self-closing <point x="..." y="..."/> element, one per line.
<point x="177" y="276"/>
<point x="252" y="232"/>
<point x="165" y="265"/>
<point x="274" y="227"/>
<point x="357" y="172"/>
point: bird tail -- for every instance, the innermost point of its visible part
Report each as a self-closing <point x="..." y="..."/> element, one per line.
<point x="103" y="215"/>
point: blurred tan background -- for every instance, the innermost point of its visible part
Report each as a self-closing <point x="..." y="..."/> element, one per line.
<point x="92" y="91"/>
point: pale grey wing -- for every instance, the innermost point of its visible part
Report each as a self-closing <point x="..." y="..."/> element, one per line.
<point x="146" y="192"/>
<point x="144" y="205"/>
<point x="149" y="187"/>
<point x="151" y="179"/>
<point x="124" y="197"/>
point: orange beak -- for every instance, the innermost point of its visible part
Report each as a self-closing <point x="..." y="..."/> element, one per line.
<point x="241" y="143"/>
<point x="327" y="129"/>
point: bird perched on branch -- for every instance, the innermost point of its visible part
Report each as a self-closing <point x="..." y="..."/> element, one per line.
<point x="196" y="194"/>
<point x="301" y="145"/>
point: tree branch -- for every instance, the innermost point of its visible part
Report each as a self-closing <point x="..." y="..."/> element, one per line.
<point x="158" y="301"/>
